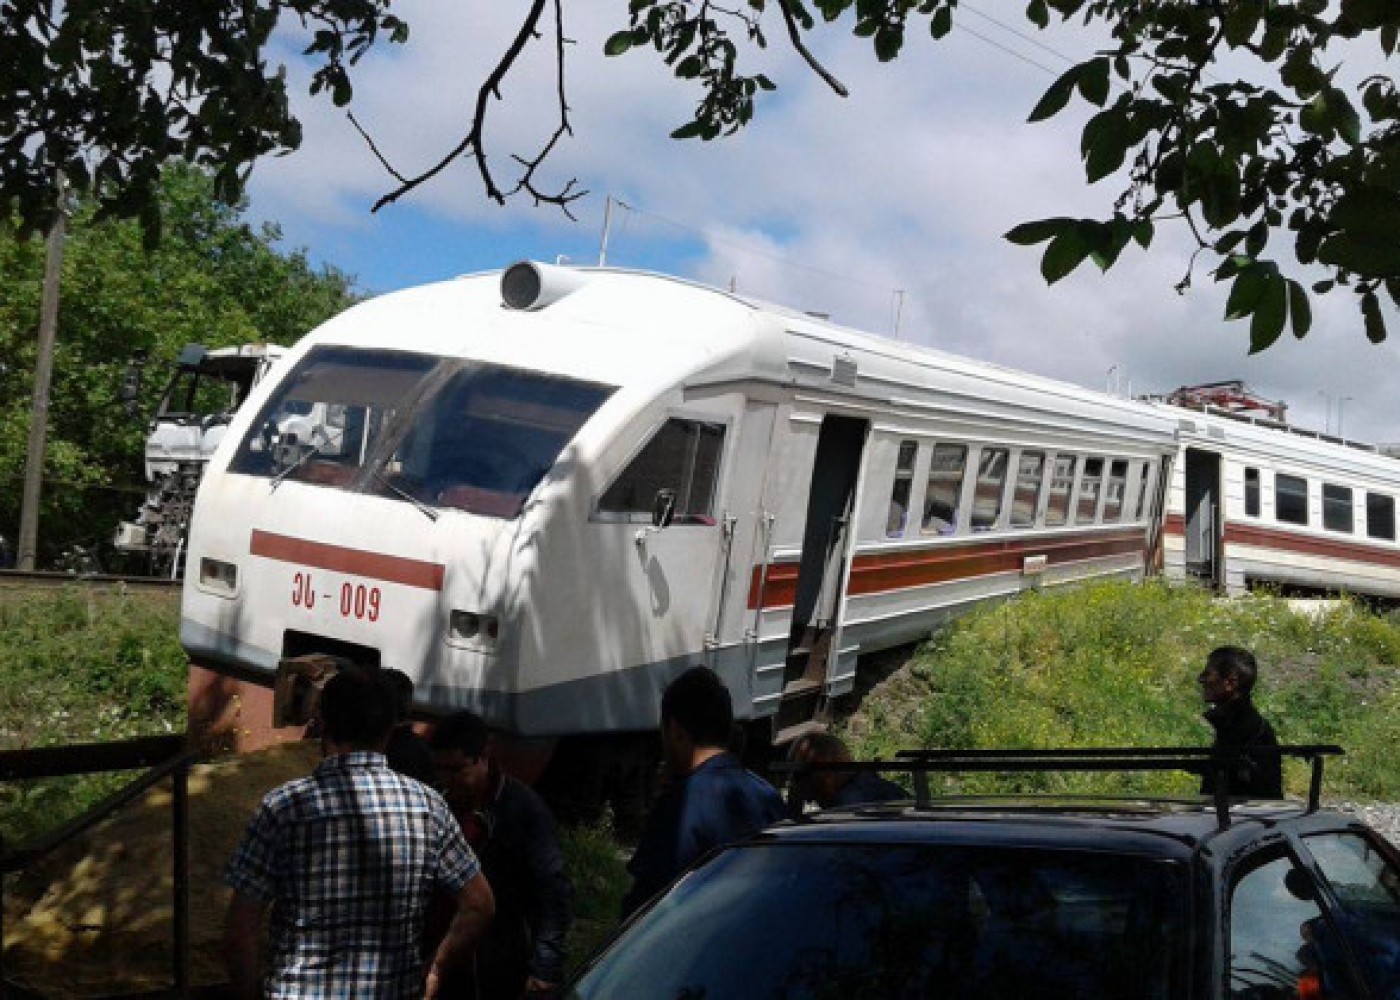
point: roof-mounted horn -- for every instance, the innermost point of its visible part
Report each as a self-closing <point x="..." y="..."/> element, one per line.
<point x="528" y="285"/>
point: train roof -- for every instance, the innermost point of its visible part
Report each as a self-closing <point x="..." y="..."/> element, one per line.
<point x="652" y="332"/>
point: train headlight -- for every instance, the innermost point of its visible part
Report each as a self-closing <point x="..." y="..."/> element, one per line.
<point x="474" y="629"/>
<point x="218" y="577"/>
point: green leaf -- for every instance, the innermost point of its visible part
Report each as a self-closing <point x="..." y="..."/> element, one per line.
<point x="1366" y="14"/>
<point x="1375" y="322"/>
<point x="941" y="23"/>
<point x="618" y="43"/>
<point x="1299" y="309"/>
<point x="1142" y="233"/>
<point x="690" y="130"/>
<point x="1038" y="14"/>
<point x="1241" y="20"/>
<point x="1053" y="101"/>
<point x="1246" y="292"/>
<point x="1030" y="233"/>
<point x="1065" y="252"/>
<point x="1270" y="313"/>
<point x="1104" y="144"/>
<point x="1093" y="83"/>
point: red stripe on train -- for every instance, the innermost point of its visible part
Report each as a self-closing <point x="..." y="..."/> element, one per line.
<point x="874" y="574"/>
<point x="358" y="562"/>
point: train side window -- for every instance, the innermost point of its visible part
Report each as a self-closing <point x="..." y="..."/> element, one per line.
<point x="1251" y="492"/>
<point x="899" y="493"/>
<point x="1117" y="486"/>
<point x="682" y="456"/>
<point x="1380" y="516"/>
<point x="1030" y="476"/>
<point x="1291" y="499"/>
<point x="945" y="479"/>
<point x="1144" y="480"/>
<point x="991" y="485"/>
<point x="1090" y="483"/>
<point x="1336" y="508"/>
<point x="1061" y="486"/>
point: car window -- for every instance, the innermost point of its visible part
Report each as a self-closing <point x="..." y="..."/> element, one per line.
<point x="893" y="921"/>
<point x="1368" y="888"/>
<point x="1281" y="946"/>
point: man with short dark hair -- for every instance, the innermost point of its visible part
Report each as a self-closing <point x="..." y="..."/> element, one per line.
<point x="1227" y="684"/>
<point x="347" y="859"/>
<point x="512" y="831"/>
<point x="833" y="789"/>
<point x="710" y="799"/>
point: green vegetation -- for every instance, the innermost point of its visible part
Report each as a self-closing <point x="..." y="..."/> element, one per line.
<point x="1115" y="664"/>
<point x="214" y="280"/>
<point x="79" y="665"/>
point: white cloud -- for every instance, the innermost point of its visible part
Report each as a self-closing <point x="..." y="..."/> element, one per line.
<point x="824" y="204"/>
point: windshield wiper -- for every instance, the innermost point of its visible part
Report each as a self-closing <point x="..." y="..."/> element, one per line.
<point x="403" y="494"/>
<point x="303" y="458"/>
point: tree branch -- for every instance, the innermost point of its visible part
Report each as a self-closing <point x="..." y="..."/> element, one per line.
<point x="795" y="36"/>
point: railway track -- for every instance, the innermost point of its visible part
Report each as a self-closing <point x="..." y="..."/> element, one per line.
<point x="14" y="579"/>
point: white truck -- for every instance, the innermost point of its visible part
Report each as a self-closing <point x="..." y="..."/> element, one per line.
<point x="205" y="390"/>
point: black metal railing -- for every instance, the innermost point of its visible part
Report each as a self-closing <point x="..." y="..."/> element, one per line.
<point x="160" y="757"/>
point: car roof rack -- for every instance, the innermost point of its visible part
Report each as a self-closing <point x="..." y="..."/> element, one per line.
<point x="1194" y="760"/>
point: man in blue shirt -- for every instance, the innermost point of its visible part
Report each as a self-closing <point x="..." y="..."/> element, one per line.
<point x="710" y="799"/>
<point x="347" y="860"/>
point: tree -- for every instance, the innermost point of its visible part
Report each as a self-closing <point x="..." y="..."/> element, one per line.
<point x="213" y="280"/>
<point x="1296" y="155"/>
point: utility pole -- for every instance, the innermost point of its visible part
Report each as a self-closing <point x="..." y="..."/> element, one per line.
<point x="43" y="376"/>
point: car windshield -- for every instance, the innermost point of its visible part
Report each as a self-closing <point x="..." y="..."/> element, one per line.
<point x="426" y="430"/>
<point x="891" y="921"/>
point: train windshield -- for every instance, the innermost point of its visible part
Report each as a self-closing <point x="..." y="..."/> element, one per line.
<point x="440" y="432"/>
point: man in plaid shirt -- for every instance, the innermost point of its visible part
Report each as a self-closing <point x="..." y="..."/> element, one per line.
<point x="348" y="859"/>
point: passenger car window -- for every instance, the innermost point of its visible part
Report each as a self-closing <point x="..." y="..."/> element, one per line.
<point x="1380" y="516"/>
<point x="1030" y="472"/>
<point x="682" y="456"/>
<point x="1117" y="485"/>
<point x="1291" y="499"/>
<point x="945" y="479"/>
<point x="1089" y="485"/>
<point x="1336" y="508"/>
<point x="1368" y="888"/>
<point x="1061" y="485"/>
<point x="848" y="920"/>
<point x="1281" y="946"/>
<point x="1251" y="492"/>
<point x="899" y="492"/>
<point x="991" y="478"/>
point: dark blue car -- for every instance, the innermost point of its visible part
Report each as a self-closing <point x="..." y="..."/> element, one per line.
<point x="1026" y="899"/>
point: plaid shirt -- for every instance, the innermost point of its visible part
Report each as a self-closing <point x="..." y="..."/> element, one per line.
<point x="348" y="859"/>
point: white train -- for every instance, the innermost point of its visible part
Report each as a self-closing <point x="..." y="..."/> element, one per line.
<point x="542" y="493"/>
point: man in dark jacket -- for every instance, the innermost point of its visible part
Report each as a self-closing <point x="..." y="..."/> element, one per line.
<point x="1243" y="736"/>
<point x="709" y="798"/>
<point x="512" y="832"/>
<point x="834" y="789"/>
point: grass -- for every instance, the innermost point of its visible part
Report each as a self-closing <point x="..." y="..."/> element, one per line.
<point x="1114" y="664"/>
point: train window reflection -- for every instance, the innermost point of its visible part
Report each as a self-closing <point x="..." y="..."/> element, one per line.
<point x="425" y="430"/>
<point x="1144" y="478"/>
<point x="991" y="479"/>
<point x="945" y="479"/>
<point x="1030" y="474"/>
<point x="1291" y="499"/>
<point x="898" y="516"/>
<point x="1251" y="492"/>
<point x="1380" y="516"/>
<point x="1117" y="486"/>
<point x="683" y="456"/>
<point x="1336" y="508"/>
<point x="1061" y="486"/>
<point x="1089" y="486"/>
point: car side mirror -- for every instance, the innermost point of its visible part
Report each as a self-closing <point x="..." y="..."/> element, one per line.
<point x="663" y="508"/>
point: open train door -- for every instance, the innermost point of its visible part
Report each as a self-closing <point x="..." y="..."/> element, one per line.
<point x="826" y="546"/>
<point x="1204" y="517"/>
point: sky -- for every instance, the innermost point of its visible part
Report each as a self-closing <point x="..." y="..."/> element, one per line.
<point x="885" y="209"/>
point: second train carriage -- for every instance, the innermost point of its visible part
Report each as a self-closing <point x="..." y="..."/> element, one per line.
<point x="1256" y="502"/>
<point x="543" y="493"/>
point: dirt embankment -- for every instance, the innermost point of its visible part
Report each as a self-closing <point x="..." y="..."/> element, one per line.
<point x="94" y="918"/>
